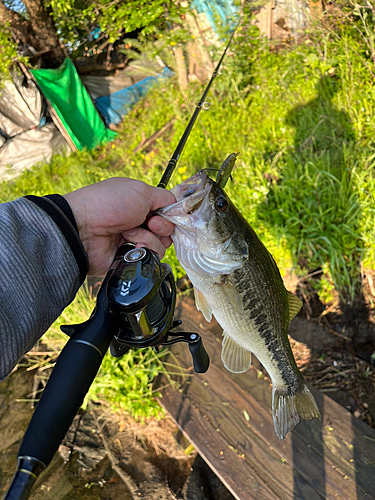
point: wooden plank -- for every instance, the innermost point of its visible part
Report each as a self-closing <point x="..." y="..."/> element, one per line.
<point x="321" y="437"/>
<point x="319" y="452"/>
<point x="345" y="425"/>
<point x="349" y="428"/>
<point x="328" y="483"/>
<point x="326" y="438"/>
<point x="244" y="485"/>
<point x="341" y="452"/>
<point x="240" y="439"/>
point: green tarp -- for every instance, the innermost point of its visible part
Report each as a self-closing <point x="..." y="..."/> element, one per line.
<point x="65" y="91"/>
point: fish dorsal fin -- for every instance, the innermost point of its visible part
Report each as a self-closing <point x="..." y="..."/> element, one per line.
<point x="294" y="305"/>
<point x="235" y="358"/>
<point x="231" y="293"/>
<point x="202" y="305"/>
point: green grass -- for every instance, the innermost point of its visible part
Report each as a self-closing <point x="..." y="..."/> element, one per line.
<point x="301" y="117"/>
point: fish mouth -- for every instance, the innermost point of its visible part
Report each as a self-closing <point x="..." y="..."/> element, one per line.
<point x="191" y="186"/>
<point x="189" y="197"/>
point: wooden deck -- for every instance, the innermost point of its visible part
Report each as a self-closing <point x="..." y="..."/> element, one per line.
<point x="228" y="419"/>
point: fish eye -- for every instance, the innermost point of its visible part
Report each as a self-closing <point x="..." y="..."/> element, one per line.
<point x="221" y="204"/>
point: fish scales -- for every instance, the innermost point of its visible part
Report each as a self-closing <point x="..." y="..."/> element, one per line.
<point x="236" y="279"/>
<point x="265" y="325"/>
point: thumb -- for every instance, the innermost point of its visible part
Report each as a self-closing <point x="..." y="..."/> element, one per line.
<point x="161" y="198"/>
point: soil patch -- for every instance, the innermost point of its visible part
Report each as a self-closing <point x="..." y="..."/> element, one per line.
<point x="105" y="456"/>
<point x="334" y="345"/>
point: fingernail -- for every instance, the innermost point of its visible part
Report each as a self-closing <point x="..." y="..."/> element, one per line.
<point x="158" y="225"/>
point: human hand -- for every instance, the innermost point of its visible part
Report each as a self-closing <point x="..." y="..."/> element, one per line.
<point x="110" y="212"/>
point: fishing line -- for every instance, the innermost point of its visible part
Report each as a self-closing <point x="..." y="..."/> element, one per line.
<point x="215" y="170"/>
<point x="210" y="168"/>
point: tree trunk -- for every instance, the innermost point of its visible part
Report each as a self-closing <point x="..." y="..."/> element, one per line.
<point x="19" y="26"/>
<point x="38" y="31"/>
<point x="42" y="24"/>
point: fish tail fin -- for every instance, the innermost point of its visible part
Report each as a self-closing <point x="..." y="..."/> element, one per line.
<point x="288" y="409"/>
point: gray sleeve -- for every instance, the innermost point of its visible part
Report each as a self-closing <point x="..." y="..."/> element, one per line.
<point x="39" y="277"/>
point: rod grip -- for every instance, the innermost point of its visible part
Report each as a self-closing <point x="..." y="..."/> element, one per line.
<point x="74" y="372"/>
<point x="67" y="386"/>
<point x="24" y="479"/>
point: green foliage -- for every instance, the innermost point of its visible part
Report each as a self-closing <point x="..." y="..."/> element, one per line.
<point x="126" y="383"/>
<point x="75" y="19"/>
<point x="301" y="117"/>
<point x="8" y="53"/>
<point x="324" y="286"/>
<point x="319" y="215"/>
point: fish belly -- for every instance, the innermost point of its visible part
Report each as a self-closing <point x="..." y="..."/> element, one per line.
<point x="237" y="324"/>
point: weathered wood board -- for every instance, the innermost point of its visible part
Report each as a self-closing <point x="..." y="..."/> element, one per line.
<point x="228" y="419"/>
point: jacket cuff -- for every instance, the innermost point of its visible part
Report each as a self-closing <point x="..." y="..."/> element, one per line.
<point x="58" y="209"/>
<point x="61" y="202"/>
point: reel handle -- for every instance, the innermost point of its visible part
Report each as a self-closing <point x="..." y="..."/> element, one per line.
<point x="201" y="361"/>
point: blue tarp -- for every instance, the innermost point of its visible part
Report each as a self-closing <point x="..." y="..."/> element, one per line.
<point x="115" y="106"/>
<point x="225" y="9"/>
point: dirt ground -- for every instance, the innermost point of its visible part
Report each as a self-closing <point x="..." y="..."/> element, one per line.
<point x="105" y="456"/>
<point x="108" y="456"/>
<point x="334" y="346"/>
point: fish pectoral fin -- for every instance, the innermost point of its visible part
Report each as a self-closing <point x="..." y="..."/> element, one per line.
<point x="201" y="305"/>
<point x="232" y="294"/>
<point x="294" y="305"/>
<point x="235" y="358"/>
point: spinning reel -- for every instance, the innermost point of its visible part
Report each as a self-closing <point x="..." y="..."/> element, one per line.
<point x="142" y="296"/>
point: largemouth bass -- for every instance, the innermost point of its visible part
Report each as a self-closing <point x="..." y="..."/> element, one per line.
<point x="236" y="279"/>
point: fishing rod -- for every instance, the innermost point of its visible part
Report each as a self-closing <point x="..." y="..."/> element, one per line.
<point x="177" y="153"/>
<point x="134" y="309"/>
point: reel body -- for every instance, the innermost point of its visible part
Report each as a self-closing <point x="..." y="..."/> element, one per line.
<point x="142" y="296"/>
